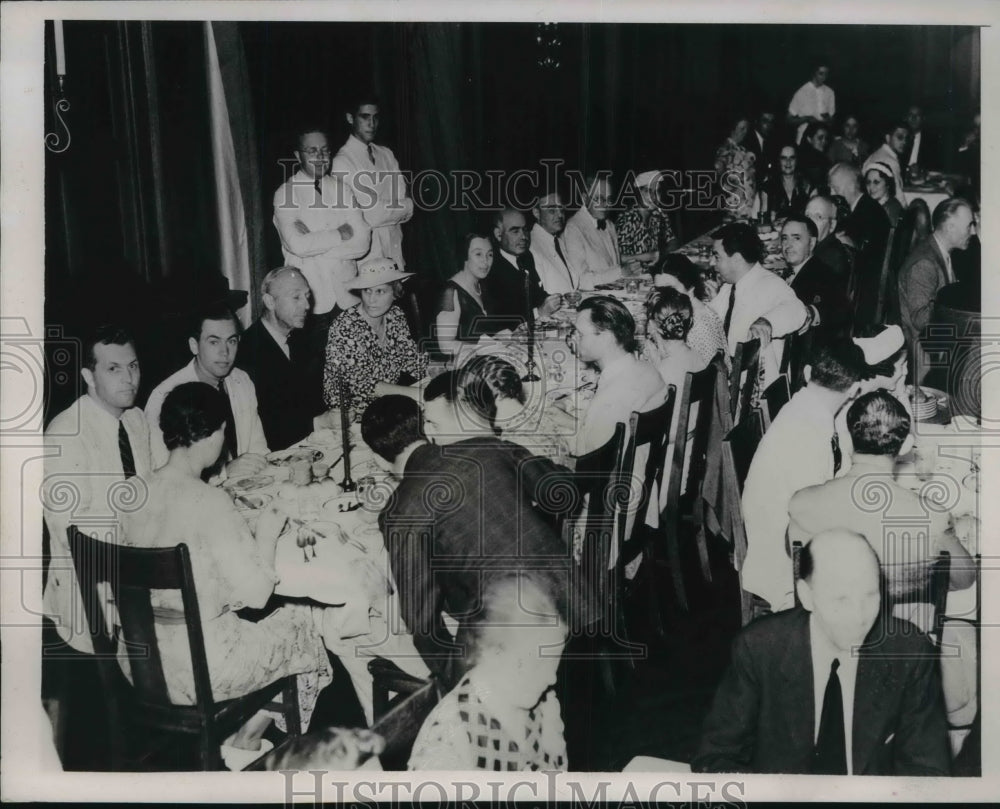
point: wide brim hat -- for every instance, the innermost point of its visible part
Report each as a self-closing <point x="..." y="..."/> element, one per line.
<point x="882" y="346"/>
<point x="375" y="272"/>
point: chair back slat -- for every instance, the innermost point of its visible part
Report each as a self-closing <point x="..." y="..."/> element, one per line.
<point x="400" y="726"/>
<point x="743" y="378"/>
<point x="743" y="440"/>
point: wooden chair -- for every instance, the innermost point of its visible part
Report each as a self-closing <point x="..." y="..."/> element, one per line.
<point x="795" y="357"/>
<point x="684" y="502"/>
<point x="389" y="679"/>
<point x="774" y="397"/>
<point x="131" y="574"/>
<point x="650" y="430"/>
<point x="743" y="440"/>
<point x="920" y="581"/>
<point x="743" y="379"/>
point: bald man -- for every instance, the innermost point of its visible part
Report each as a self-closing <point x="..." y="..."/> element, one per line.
<point x="825" y="688"/>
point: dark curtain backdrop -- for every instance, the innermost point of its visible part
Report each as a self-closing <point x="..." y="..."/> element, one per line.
<point x="131" y="223"/>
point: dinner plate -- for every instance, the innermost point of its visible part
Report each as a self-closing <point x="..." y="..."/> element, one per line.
<point x="251" y="483"/>
<point x="249" y="502"/>
<point x="286" y="457"/>
<point x="614" y="285"/>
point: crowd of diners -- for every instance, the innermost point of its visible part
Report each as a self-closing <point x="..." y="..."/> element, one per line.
<point x="331" y="338"/>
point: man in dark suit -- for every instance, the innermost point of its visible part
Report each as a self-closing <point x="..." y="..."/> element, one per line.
<point x="923" y="148"/>
<point x="272" y="353"/>
<point x="927" y="269"/>
<point x="866" y="227"/>
<point x="513" y="287"/>
<point x="825" y="688"/>
<point x="829" y="249"/>
<point x="818" y="286"/>
<point x="761" y="143"/>
<point x="468" y="507"/>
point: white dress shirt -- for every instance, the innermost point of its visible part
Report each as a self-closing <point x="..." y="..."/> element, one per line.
<point x="379" y="191"/>
<point x="242" y="398"/>
<point x="761" y="293"/>
<point x="556" y="275"/>
<point x="823" y="654"/>
<point x="915" y="149"/>
<point x="794" y="453"/>
<point x="812" y="101"/>
<point x="326" y="259"/>
<point x="592" y="253"/>
<point x="626" y="384"/>
<point x="84" y="487"/>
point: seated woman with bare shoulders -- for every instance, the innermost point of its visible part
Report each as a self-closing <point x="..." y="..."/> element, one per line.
<point x="503" y="714"/>
<point x="462" y="316"/>
<point x="232" y="569"/>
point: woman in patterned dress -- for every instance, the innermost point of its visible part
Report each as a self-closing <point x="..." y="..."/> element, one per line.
<point x="706" y="335"/>
<point x="737" y="172"/>
<point x="462" y="316"/>
<point x="370" y="346"/>
<point x="644" y="229"/>
<point x="503" y="715"/>
<point x="232" y="569"/>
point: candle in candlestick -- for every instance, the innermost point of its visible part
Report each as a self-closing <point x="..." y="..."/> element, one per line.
<point x="345" y="431"/>
<point x="60" y="48"/>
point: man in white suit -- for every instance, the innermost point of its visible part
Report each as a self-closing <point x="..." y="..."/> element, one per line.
<point x="590" y="236"/>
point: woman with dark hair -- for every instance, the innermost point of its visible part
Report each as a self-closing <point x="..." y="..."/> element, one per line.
<point x="503" y="715"/>
<point x="457" y="407"/>
<point x="669" y="318"/>
<point x="881" y="187"/>
<point x="503" y="381"/>
<point x="848" y="147"/>
<point x="462" y="315"/>
<point x="706" y="335"/>
<point x="232" y="569"/>
<point x="812" y="159"/>
<point x="787" y="191"/>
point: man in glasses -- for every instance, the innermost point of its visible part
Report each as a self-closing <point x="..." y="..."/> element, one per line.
<point x="323" y="233"/>
<point x="372" y="172"/>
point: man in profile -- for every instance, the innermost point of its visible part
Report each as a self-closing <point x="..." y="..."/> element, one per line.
<point x="825" y="688"/>
<point x="548" y="245"/>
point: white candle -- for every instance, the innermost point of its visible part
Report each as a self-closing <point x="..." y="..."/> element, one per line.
<point x="60" y="48"/>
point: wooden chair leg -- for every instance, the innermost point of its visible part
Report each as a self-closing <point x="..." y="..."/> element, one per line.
<point x="676" y="574"/>
<point x="209" y="754"/>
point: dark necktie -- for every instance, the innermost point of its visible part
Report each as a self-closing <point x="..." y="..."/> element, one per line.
<point x="838" y="456"/>
<point x="318" y="185"/>
<point x="125" y="450"/>
<point x="729" y="310"/>
<point x="830" y="755"/>
<point x="371" y="153"/>
<point x="229" y="447"/>
<point x="602" y="224"/>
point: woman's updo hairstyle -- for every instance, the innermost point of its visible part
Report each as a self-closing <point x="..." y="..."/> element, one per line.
<point x="192" y="411"/>
<point x="670" y="313"/>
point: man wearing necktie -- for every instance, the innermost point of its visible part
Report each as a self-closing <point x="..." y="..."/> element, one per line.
<point x="590" y="238"/>
<point x="95" y="445"/>
<point x="372" y="173"/>
<point x="825" y="688"/>
<point x="512" y="291"/>
<point x="213" y="341"/>
<point x="548" y="245"/>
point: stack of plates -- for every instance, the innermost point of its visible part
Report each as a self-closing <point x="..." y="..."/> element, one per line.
<point x="925" y="408"/>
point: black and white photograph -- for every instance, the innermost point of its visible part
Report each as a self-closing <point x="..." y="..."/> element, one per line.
<point x="540" y="402"/>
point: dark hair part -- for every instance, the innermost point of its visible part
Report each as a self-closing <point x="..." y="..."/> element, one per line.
<point x="836" y="364"/>
<point x="359" y="99"/>
<point x="308" y="130"/>
<point x="946" y="209"/>
<point x="192" y="411"/>
<point x="502" y="212"/>
<point x="106" y="334"/>
<point x="684" y="270"/>
<point x="813" y="128"/>
<point x="671" y="313"/>
<point x="473" y="392"/>
<point x="392" y="423"/>
<point x="892" y="126"/>
<point x="499" y="375"/>
<point x="465" y="242"/>
<point x="608" y="314"/>
<point x="878" y="423"/>
<point x="739" y="237"/>
<point x="213" y="311"/>
<point x="802" y="219"/>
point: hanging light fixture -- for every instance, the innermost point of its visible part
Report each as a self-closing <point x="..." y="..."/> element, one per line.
<point x="53" y="142"/>
<point x="548" y="42"/>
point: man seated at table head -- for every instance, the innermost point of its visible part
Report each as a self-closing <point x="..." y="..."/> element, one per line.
<point x="753" y="303"/>
<point x="590" y="236"/>
<point x="96" y="443"/>
<point x="467" y="505"/>
<point x="799" y="449"/>
<point x="548" y="245"/>
<point x="880" y="432"/>
<point x="896" y="137"/>
<point x="214" y="340"/>
<point x="822" y="210"/>
<point x="825" y="688"/>
<point x="512" y="291"/>
<point x="822" y="293"/>
<point x="928" y="267"/>
<point x="923" y="148"/>
<point x="606" y="338"/>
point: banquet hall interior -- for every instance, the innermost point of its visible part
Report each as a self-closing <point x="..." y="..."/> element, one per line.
<point x="168" y="147"/>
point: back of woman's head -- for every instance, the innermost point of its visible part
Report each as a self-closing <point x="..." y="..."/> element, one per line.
<point x="670" y="313"/>
<point x="513" y="603"/>
<point x="192" y="411"/>
<point x="471" y="393"/>
<point x="499" y="375"/>
<point x="684" y="270"/>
